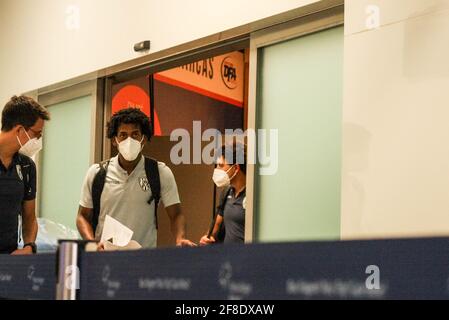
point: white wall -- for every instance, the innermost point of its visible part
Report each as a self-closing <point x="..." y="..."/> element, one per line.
<point x="37" y="48"/>
<point x="396" y="120"/>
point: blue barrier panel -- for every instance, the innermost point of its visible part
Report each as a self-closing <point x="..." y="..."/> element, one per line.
<point x="28" y="277"/>
<point x="383" y="269"/>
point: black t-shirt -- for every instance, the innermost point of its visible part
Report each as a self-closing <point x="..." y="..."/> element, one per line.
<point x="234" y="217"/>
<point x="17" y="184"/>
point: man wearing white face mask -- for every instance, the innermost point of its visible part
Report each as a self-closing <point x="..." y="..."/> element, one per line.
<point x="20" y="139"/>
<point x="229" y="174"/>
<point x="127" y="188"/>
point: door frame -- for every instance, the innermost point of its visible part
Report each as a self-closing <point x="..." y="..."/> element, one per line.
<point x="47" y="98"/>
<point x="330" y="15"/>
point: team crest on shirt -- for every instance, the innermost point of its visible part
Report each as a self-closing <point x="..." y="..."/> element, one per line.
<point x="144" y="184"/>
<point x="19" y="171"/>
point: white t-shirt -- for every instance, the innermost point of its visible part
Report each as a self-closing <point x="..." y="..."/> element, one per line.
<point x="125" y="198"/>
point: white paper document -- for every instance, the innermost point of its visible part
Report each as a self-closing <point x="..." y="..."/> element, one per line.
<point x="115" y="232"/>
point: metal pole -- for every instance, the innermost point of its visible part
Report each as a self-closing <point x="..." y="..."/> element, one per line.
<point x="68" y="271"/>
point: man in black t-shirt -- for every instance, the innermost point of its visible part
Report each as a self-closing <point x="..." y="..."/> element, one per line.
<point x="20" y="139"/>
<point x="230" y="173"/>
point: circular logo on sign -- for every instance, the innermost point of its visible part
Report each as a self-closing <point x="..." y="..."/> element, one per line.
<point x="131" y="96"/>
<point x="229" y="73"/>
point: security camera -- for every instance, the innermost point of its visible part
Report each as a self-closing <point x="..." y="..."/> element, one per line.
<point x="142" y="46"/>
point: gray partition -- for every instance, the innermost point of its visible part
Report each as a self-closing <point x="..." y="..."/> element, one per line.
<point x="28" y="277"/>
<point x="384" y="269"/>
<point x="379" y="269"/>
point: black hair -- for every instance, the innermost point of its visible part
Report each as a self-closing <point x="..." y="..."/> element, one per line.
<point x="23" y="111"/>
<point x="234" y="153"/>
<point x="130" y="116"/>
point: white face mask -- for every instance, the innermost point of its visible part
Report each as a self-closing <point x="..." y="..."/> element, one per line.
<point x="221" y="177"/>
<point x="32" y="147"/>
<point x="129" y="148"/>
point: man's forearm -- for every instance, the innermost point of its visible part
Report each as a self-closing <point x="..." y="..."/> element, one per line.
<point x="178" y="227"/>
<point x="217" y="225"/>
<point x="85" y="228"/>
<point x="29" y="228"/>
<point x="177" y="222"/>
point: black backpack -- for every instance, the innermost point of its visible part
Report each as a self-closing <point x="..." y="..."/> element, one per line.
<point x="152" y="172"/>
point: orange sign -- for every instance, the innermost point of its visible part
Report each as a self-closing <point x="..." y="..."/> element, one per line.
<point x="221" y="77"/>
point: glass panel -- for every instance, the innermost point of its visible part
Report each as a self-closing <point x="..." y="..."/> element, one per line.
<point x="300" y="84"/>
<point x="65" y="159"/>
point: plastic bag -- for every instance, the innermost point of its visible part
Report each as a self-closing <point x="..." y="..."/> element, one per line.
<point x="49" y="232"/>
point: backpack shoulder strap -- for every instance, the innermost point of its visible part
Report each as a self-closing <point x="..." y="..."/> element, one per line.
<point x="223" y="198"/>
<point x="97" y="190"/>
<point x="220" y="208"/>
<point x="152" y="172"/>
